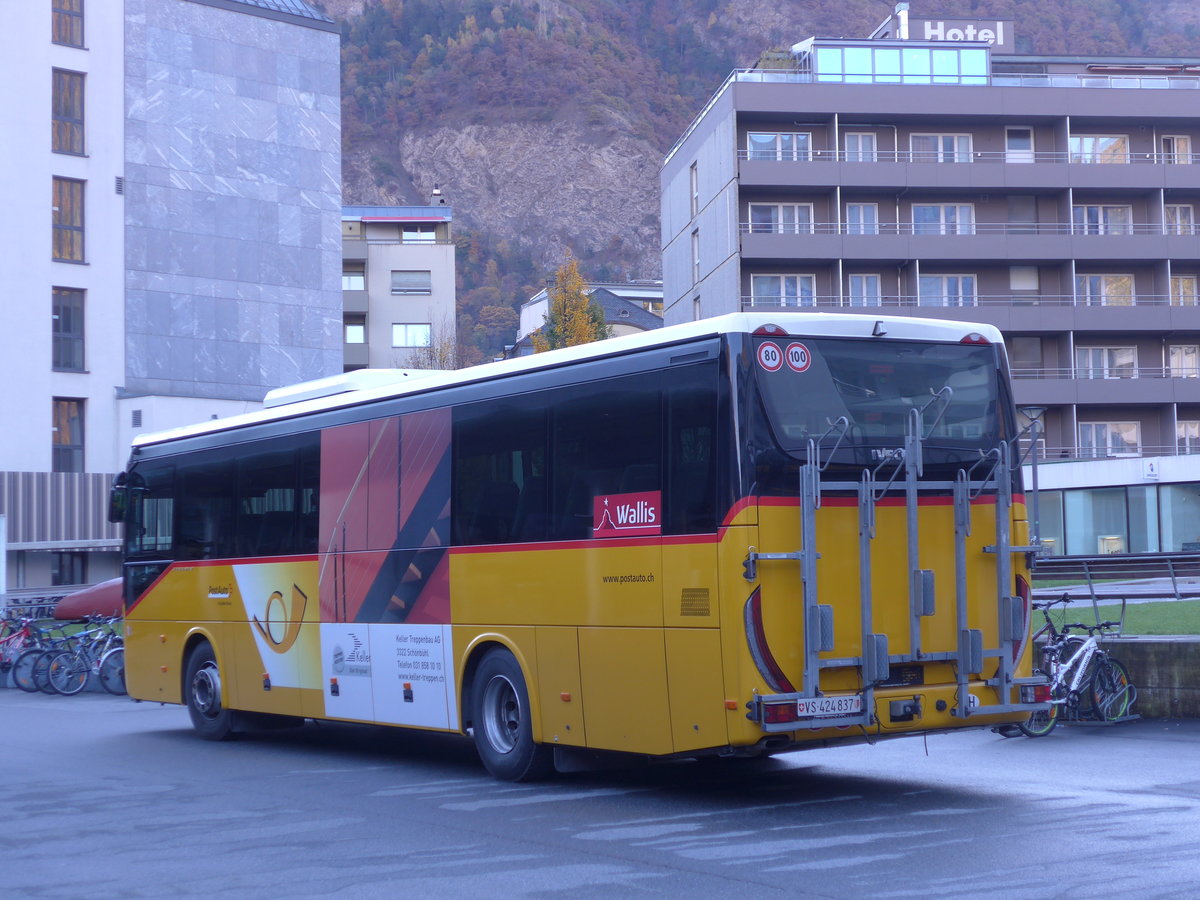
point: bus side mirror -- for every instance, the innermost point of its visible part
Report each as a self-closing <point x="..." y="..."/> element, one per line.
<point x="118" y="499"/>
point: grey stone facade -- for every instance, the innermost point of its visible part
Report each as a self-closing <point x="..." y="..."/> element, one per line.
<point x="232" y="201"/>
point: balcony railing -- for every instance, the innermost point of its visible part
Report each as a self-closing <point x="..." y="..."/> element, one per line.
<point x="1017" y="157"/>
<point x="1050" y="453"/>
<point x="1105" y="374"/>
<point x="903" y="301"/>
<point x="1063" y="80"/>
<point x="968" y="229"/>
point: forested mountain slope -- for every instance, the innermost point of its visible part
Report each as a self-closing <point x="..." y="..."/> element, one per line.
<point x="545" y="121"/>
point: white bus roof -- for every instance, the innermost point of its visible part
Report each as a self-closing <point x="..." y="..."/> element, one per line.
<point x="342" y="391"/>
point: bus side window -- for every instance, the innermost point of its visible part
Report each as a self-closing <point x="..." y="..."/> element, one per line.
<point x="607" y="439"/>
<point x="204" y="523"/>
<point x="690" y="504"/>
<point x="499" y="472"/>
<point x="152" y="521"/>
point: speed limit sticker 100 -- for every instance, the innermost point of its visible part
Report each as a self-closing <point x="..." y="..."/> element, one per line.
<point x="798" y="358"/>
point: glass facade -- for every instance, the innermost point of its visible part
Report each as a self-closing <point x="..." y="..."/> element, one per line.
<point x="1148" y="518"/>
<point x="895" y="65"/>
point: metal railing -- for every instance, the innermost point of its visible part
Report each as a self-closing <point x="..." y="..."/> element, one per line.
<point x="1048" y="453"/>
<point x="966" y="229"/>
<point x="1015" y="157"/>
<point x="1066" y="79"/>
<point x="905" y="301"/>
<point x="1069" y="372"/>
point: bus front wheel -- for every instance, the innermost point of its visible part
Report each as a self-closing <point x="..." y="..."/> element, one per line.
<point x="202" y="686"/>
<point x="503" y="730"/>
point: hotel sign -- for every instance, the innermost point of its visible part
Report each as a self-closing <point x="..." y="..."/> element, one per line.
<point x="998" y="33"/>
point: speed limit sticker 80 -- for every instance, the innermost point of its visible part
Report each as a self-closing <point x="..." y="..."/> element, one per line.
<point x="771" y="358"/>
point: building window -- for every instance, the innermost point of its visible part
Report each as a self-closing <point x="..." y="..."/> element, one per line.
<point x="694" y="190"/>
<point x="1104" y="290"/>
<point x="892" y="65"/>
<point x="1187" y="434"/>
<point x="1099" y="148"/>
<point x="782" y="290"/>
<point x="1183" y="361"/>
<point x="1100" y="439"/>
<point x="1176" y="148"/>
<point x="66" y="440"/>
<point x="781" y="218"/>
<point x="354" y="329"/>
<point x="66" y="330"/>
<point x="1018" y="144"/>
<point x="1183" y="290"/>
<point x="68" y="568"/>
<point x="1023" y="279"/>
<point x="943" y="218"/>
<point x="412" y="282"/>
<point x="354" y="278"/>
<point x="410" y="334"/>
<point x="776" y="145"/>
<point x="66" y="24"/>
<point x="696" y="257"/>
<point x="1089" y="219"/>
<point x="862" y="218"/>
<point x="860" y="146"/>
<point x="865" y="290"/>
<point x="68" y="220"/>
<point x="1025" y="354"/>
<point x="418" y="234"/>
<point x="66" y="130"/>
<point x="1106" y="362"/>
<point x="939" y="148"/>
<point x="946" y="290"/>
<point x="1179" y="218"/>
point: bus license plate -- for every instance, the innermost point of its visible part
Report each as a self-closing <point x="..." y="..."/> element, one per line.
<point x="807" y="707"/>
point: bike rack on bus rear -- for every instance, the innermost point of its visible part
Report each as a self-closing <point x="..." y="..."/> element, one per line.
<point x="993" y="471"/>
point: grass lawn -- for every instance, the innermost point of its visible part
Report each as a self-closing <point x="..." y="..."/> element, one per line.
<point x="1169" y="617"/>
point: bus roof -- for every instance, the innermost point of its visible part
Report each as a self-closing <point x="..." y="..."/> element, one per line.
<point x="379" y="387"/>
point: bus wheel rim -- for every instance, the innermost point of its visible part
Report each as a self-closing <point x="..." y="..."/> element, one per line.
<point x="206" y="690"/>
<point x="501" y="714"/>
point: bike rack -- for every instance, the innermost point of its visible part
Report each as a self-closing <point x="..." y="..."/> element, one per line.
<point x="991" y="473"/>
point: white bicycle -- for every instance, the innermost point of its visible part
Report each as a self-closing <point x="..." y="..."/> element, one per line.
<point x="1085" y="680"/>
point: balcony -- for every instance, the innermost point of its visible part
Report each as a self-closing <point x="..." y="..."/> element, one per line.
<point x="1002" y="241"/>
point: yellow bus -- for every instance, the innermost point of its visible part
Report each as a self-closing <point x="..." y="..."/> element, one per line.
<point x="739" y="536"/>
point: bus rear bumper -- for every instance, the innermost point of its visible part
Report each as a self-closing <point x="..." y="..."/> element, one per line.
<point x="902" y="708"/>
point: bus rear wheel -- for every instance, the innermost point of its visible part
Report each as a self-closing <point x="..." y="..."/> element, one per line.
<point x="202" y="687"/>
<point x="503" y="729"/>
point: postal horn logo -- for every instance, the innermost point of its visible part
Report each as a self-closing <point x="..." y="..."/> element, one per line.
<point x="280" y="625"/>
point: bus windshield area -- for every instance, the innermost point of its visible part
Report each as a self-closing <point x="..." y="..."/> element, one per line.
<point x="809" y="384"/>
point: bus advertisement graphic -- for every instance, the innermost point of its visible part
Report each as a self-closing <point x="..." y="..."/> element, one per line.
<point x="627" y="515"/>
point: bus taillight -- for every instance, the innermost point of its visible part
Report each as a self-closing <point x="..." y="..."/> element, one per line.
<point x="974" y="338"/>
<point x="769" y="331"/>
<point x="775" y="713"/>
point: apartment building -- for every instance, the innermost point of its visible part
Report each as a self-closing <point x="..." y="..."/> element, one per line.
<point x="398" y="286"/>
<point x="170" y="250"/>
<point x="929" y="170"/>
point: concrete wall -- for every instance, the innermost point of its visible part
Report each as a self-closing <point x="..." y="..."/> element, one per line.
<point x="1166" y="672"/>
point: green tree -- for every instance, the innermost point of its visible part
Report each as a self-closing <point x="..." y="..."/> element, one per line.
<point x="574" y="317"/>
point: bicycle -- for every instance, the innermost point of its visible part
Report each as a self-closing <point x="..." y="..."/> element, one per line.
<point x="16" y="636"/>
<point x="70" y="669"/>
<point x="1085" y="680"/>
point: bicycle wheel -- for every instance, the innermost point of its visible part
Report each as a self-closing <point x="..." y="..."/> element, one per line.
<point x="41" y="672"/>
<point x="1111" y="690"/>
<point x="69" y="672"/>
<point x="22" y="670"/>
<point x="1040" y="723"/>
<point x="112" y="671"/>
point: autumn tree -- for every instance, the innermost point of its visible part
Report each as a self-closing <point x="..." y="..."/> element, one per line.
<point x="573" y="317"/>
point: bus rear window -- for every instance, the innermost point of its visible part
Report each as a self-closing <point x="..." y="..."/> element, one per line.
<point x="812" y="383"/>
